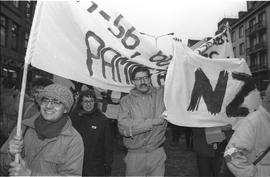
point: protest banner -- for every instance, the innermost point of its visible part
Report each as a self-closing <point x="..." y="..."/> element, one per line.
<point x="81" y="41"/>
<point x="220" y="46"/>
<point x="204" y="92"/>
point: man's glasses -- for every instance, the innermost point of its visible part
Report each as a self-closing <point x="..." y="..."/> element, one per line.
<point x="145" y="78"/>
<point x="53" y="102"/>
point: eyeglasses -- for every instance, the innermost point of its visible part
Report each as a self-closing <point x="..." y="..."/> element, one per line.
<point x="53" y="102"/>
<point x="87" y="101"/>
<point x="145" y="78"/>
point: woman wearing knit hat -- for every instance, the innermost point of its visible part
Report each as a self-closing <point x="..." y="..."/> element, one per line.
<point x="96" y="133"/>
<point x="49" y="146"/>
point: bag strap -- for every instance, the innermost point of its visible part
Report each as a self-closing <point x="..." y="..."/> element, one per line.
<point x="261" y="156"/>
<point x="24" y="131"/>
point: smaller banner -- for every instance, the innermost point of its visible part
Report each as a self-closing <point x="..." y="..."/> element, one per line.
<point x="219" y="46"/>
<point x="203" y="92"/>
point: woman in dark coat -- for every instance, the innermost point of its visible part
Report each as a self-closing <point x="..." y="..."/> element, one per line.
<point x="95" y="130"/>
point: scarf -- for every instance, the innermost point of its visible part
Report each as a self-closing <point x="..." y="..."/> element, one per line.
<point x="48" y="129"/>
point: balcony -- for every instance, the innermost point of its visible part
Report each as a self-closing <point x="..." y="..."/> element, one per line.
<point x="258" y="47"/>
<point x="257" y="27"/>
<point x="258" y="68"/>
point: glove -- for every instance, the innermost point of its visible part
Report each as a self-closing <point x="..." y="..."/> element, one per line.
<point x="158" y="121"/>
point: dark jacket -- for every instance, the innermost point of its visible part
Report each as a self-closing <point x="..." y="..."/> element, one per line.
<point x="98" y="143"/>
<point x="207" y="150"/>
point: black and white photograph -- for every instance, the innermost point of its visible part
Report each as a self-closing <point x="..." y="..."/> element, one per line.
<point x="135" y="88"/>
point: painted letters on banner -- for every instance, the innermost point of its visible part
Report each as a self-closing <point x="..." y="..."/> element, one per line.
<point x="207" y="92"/>
<point x="220" y="46"/>
<point x="80" y="40"/>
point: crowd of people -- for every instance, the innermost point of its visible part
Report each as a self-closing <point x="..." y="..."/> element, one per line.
<point x="66" y="136"/>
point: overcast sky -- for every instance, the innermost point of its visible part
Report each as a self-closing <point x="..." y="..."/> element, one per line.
<point x="189" y="19"/>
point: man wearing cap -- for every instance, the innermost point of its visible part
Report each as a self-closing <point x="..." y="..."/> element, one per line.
<point x="49" y="145"/>
<point x="249" y="142"/>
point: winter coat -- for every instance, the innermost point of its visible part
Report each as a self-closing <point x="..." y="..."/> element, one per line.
<point x="98" y="143"/>
<point x="62" y="155"/>
<point x="137" y="111"/>
<point x="250" y="140"/>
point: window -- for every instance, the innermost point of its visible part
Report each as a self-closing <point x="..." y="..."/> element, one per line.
<point x="254" y="4"/>
<point x="263" y="60"/>
<point x="262" y="37"/>
<point x="241" y="31"/>
<point x="15" y="3"/>
<point x="233" y="36"/>
<point x="3" y="31"/>
<point x="254" y="62"/>
<point x="252" y="23"/>
<point x="241" y="48"/>
<point x="253" y="42"/>
<point x="234" y="51"/>
<point x="261" y="18"/>
<point x="26" y="38"/>
<point x="14" y="36"/>
<point x="28" y="9"/>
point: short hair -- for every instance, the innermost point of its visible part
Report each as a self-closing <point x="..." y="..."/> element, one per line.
<point x="139" y="69"/>
<point x="86" y="93"/>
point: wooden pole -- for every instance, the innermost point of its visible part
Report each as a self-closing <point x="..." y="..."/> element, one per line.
<point x="19" y="120"/>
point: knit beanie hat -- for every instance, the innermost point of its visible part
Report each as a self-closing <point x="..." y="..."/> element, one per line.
<point x="60" y="93"/>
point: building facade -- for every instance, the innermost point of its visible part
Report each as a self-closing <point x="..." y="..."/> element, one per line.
<point x="16" y="19"/>
<point x="250" y="39"/>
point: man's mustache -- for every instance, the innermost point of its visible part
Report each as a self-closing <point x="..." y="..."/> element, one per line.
<point x="143" y="85"/>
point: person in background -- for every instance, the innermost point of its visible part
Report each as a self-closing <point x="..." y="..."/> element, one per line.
<point x="11" y="99"/>
<point x="250" y="140"/>
<point x="95" y="130"/>
<point x="209" y="145"/>
<point x="143" y="126"/>
<point x="31" y="106"/>
<point x="49" y="145"/>
<point x="176" y="133"/>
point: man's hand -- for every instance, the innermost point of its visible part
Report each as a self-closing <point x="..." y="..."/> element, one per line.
<point x="19" y="169"/>
<point x="15" y="146"/>
<point x="226" y="127"/>
<point x="158" y="121"/>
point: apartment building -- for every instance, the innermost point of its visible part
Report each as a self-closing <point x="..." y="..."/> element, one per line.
<point x="250" y="39"/>
<point x="16" y="19"/>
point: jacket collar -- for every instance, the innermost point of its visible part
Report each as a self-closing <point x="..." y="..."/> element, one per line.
<point x="67" y="129"/>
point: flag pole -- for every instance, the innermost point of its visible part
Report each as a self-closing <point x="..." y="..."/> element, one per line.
<point x="22" y="94"/>
<point x="27" y="60"/>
